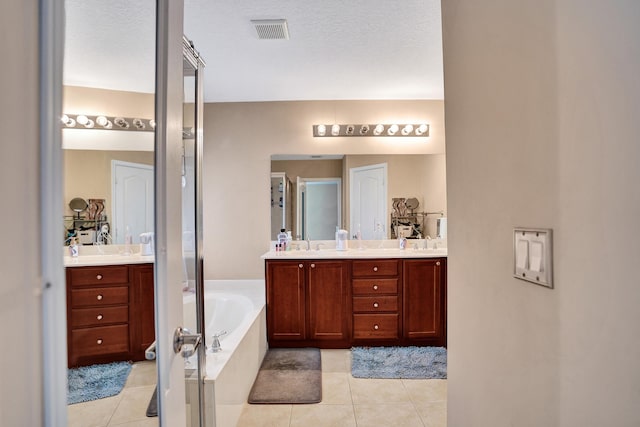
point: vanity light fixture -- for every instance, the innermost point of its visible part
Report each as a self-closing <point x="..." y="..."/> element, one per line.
<point x="393" y="130"/>
<point x="101" y="122"/>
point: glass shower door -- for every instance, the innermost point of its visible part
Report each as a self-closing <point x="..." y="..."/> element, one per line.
<point x="193" y="283"/>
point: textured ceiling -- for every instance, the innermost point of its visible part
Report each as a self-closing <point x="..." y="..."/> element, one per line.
<point x="376" y="49"/>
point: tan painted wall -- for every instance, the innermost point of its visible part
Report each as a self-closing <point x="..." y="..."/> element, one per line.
<point x="239" y="141"/>
<point x="542" y="107"/>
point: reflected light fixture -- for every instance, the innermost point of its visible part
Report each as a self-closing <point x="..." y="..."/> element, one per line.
<point x="356" y="130"/>
<point x="101" y="122"/>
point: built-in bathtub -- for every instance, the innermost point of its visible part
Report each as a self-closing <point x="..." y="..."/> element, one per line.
<point x="237" y="307"/>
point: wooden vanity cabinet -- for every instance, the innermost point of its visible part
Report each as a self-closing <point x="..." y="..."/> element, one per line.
<point x="105" y="316"/>
<point x="341" y="303"/>
<point x="376" y="300"/>
<point x="424" y="294"/>
<point x="308" y="304"/>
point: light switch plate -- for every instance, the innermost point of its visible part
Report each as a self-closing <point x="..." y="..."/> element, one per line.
<point x="532" y="255"/>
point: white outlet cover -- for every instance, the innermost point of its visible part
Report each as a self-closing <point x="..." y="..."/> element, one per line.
<point x="532" y="255"/>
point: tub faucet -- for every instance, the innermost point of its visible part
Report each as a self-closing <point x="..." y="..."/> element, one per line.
<point x="215" y="345"/>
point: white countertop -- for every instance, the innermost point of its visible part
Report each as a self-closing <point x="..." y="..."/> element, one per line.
<point x="106" y="255"/>
<point x="364" y="253"/>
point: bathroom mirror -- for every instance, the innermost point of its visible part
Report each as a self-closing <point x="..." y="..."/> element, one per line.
<point x="78" y="205"/>
<point x="421" y="178"/>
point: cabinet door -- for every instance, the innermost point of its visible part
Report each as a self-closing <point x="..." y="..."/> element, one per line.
<point x="329" y="297"/>
<point x="423" y="285"/>
<point x="285" y="301"/>
<point x="143" y="312"/>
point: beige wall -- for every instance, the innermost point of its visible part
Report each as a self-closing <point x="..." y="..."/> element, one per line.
<point x="87" y="174"/>
<point x="239" y="141"/>
<point x="542" y="107"/>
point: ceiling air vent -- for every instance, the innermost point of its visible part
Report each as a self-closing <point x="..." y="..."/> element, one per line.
<point x="271" y="29"/>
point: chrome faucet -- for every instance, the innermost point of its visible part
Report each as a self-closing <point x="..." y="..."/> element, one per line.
<point x="215" y="345"/>
<point x="308" y="243"/>
<point x="318" y="246"/>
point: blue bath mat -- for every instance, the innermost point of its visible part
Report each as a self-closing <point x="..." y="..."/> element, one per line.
<point x="96" y="381"/>
<point x="399" y="362"/>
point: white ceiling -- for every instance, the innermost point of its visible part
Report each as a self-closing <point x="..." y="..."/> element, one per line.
<point x="357" y="49"/>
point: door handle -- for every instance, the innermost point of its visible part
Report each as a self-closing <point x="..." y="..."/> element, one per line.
<point x="184" y="336"/>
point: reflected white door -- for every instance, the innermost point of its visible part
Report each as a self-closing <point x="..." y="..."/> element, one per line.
<point x="132" y="196"/>
<point x="368" y="200"/>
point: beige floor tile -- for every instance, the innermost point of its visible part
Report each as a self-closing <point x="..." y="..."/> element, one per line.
<point x="133" y="405"/>
<point x="424" y="391"/>
<point x="433" y="414"/>
<point x="336" y="360"/>
<point x="95" y="413"/>
<point x="323" y="416"/>
<point x="149" y="422"/>
<point x="396" y="415"/>
<point x="378" y="391"/>
<point x="142" y="373"/>
<point x="265" y="416"/>
<point x="335" y="388"/>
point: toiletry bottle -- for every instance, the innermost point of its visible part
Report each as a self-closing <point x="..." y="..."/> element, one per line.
<point x="73" y="247"/>
<point x="282" y="239"/>
<point x="289" y="239"/>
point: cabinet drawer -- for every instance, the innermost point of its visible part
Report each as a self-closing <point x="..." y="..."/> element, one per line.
<point x="91" y="297"/>
<point x="375" y="304"/>
<point x="379" y="267"/>
<point x="101" y="340"/>
<point x="372" y="287"/>
<point x="99" y="275"/>
<point x="82" y="317"/>
<point x="375" y="326"/>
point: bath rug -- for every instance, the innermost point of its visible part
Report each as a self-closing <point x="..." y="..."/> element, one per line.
<point x="96" y="381"/>
<point x="399" y="362"/>
<point x="288" y="375"/>
<point x="152" y="408"/>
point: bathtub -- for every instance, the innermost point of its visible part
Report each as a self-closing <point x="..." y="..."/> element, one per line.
<point x="237" y="307"/>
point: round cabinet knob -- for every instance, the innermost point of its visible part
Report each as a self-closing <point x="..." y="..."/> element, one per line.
<point x="99" y="277"/>
<point x="375" y="268"/>
<point x="99" y="297"/>
<point x="437" y="262"/>
<point x="99" y="317"/>
<point x="313" y="266"/>
<point x="99" y="342"/>
<point x="376" y="305"/>
<point x="375" y="287"/>
<point x="300" y="265"/>
<point x="376" y="327"/>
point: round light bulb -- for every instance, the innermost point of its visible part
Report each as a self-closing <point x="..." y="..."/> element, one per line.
<point x="378" y="130"/>
<point x="322" y="130"/>
<point x="64" y="119"/>
<point x="101" y="121"/>
<point x="152" y="123"/>
<point x="407" y="129"/>
<point x="422" y="129"/>
<point x="393" y="129"/>
<point x="82" y="119"/>
<point x="335" y="130"/>
<point x="364" y="129"/>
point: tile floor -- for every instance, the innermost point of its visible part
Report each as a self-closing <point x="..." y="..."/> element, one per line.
<point x="125" y="409"/>
<point x="346" y="402"/>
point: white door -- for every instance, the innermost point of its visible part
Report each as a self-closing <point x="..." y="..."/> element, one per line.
<point x="168" y="220"/>
<point x="133" y="200"/>
<point x="368" y="200"/>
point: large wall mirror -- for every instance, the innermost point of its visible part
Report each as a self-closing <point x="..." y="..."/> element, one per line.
<point x="314" y="215"/>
